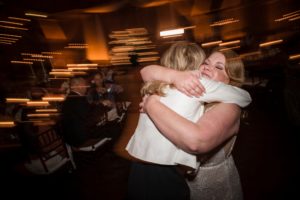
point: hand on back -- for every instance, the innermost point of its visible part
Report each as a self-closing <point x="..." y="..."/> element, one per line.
<point x="188" y="83"/>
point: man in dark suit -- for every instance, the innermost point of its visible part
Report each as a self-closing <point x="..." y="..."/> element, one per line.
<point x="79" y="118"/>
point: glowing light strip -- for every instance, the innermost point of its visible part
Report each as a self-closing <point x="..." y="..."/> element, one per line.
<point x="295" y="18"/>
<point x="7" y="124"/>
<point x="61" y="70"/>
<point x="81" y="68"/>
<point x="229" y="48"/>
<point x="9" y="35"/>
<point x="270" y="43"/>
<point x="229" y="43"/>
<point x="171" y="32"/>
<point x="36" y="15"/>
<point x="14" y="23"/>
<point x="11" y="41"/>
<point x="37" y="103"/>
<point x="293" y="57"/>
<point x="287" y="17"/>
<point x="8" y="38"/>
<point x="250" y="54"/>
<point x="21" y="19"/>
<point x="53" y="98"/>
<point x="207" y="44"/>
<point x="12" y="27"/>
<point x="291" y="13"/>
<point x="46" y="110"/>
<point x="6" y="43"/>
<point x="42" y="114"/>
<point x="81" y="65"/>
<point x="224" y="23"/>
<point x="61" y="73"/>
<point x="78" y="44"/>
<point x="52" y="53"/>
<point x="33" y="59"/>
<point x="21" y="62"/>
<point x="16" y="100"/>
<point x="76" y="47"/>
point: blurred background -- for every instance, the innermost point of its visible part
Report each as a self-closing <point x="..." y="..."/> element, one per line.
<point x="45" y="43"/>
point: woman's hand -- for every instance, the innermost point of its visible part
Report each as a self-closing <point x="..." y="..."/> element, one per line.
<point x="188" y="82"/>
<point x="148" y="100"/>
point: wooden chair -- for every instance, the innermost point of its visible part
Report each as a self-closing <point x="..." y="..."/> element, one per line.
<point x="51" y="153"/>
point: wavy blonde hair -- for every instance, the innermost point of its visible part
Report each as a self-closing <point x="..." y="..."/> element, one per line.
<point x="180" y="56"/>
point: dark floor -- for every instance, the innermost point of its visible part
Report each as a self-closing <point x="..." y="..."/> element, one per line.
<point x="265" y="155"/>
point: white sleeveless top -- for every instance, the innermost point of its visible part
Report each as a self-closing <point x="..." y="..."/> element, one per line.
<point x="148" y="144"/>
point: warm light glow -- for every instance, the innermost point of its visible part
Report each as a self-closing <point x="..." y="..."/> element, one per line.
<point x="61" y="73"/>
<point x="34" y="55"/>
<point x="230" y="48"/>
<point x="52" y="52"/>
<point x="13" y="23"/>
<point x="291" y="13"/>
<point x="224" y="22"/>
<point x="207" y="44"/>
<point x="9" y="35"/>
<point x="39" y="115"/>
<point x="13" y="27"/>
<point x="20" y="19"/>
<point x="295" y="18"/>
<point x="295" y="56"/>
<point x="21" y="62"/>
<point x="82" y="65"/>
<point x="7" y="124"/>
<point x="250" y="54"/>
<point x="53" y="98"/>
<point x="2" y="42"/>
<point x="36" y="15"/>
<point x="46" y="110"/>
<point x="270" y="43"/>
<point x="16" y="100"/>
<point x="7" y="38"/>
<point x="33" y="59"/>
<point x="10" y="41"/>
<point x="171" y="32"/>
<point x="229" y="43"/>
<point x="37" y="103"/>
<point x="52" y="30"/>
<point x="42" y="114"/>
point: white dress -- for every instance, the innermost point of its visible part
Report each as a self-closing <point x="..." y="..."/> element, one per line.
<point x="217" y="177"/>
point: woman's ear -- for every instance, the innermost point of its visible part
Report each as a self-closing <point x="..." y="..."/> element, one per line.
<point x="92" y="81"/>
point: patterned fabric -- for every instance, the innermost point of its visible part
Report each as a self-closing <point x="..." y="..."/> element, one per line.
<point x="217" y="177"/>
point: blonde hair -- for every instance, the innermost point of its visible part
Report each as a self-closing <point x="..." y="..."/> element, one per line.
<point x="234" y="66"/>
<point x="180" y="56"/>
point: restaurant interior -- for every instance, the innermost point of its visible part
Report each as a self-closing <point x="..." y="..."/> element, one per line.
<point x="43" y="44"/>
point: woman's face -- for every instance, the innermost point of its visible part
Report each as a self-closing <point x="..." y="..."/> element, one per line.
<point x="214" y="67"/>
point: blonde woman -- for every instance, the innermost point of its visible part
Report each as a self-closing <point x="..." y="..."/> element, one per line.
<point x="149" y="145"/>
<point x="212" y="137"/>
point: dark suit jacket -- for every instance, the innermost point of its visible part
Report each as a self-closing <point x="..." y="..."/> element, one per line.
<point x="75" y="111"/>
<point x="79" y="119"/>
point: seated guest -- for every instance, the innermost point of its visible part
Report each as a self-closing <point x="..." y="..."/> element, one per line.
<point x="112" y="90"/>
<point x="97" y="92"/>
<point x="103" y="91"/>
<point x="80" y="119"/>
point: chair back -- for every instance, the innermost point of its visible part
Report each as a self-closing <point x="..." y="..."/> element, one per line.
<point x="52" y="153"/>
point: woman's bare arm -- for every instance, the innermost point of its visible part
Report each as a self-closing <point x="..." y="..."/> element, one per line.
<point x="213" y="128"/>
<point x="185" y="81"/>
